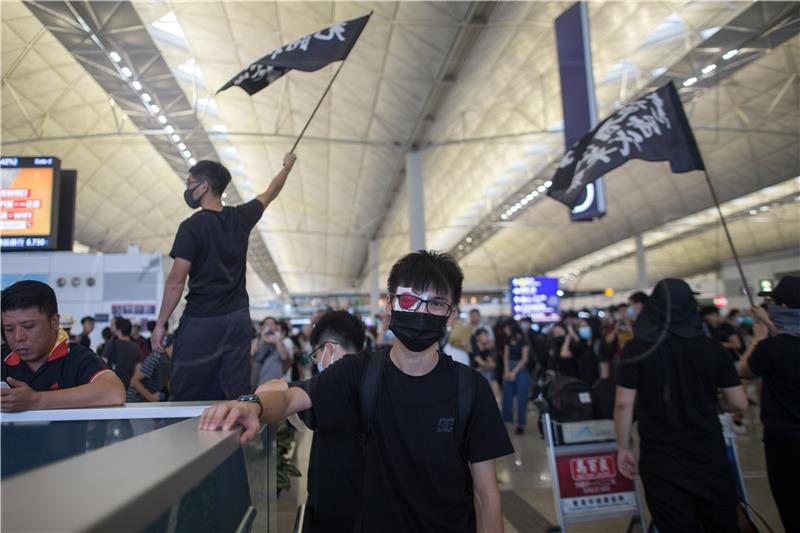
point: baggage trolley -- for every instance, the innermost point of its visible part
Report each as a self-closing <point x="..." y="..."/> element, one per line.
<point x="586" y="483"/>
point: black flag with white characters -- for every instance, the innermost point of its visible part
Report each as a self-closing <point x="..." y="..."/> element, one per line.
<point x="308" y="54"/>
<point x="653" y="127"/>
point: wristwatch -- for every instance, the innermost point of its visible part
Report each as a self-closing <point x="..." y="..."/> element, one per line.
<point x="253" y="398"/>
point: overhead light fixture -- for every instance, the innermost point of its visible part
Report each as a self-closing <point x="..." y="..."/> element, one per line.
<point x="524" y="201"/>
<point x="146" y="97"/>
<point x="729" y="54"/>
<point x="176" y="138"/>
<point x="691" y="81"/>
<point x="154" y="108"/>
<point x="460" y="246"/>
<point x="115" y="57"/>
<point x="276" y="288"/>
<point x="192" y="161"/>
<point x="136" y="85"/>
<point x="181" y="146"/>
<point x="559" y="292"/>
<point x="468" y="239"/>
<point x="753" y="211"/>
<point x="504" y="216"/>
<point x="541" y="188"/>
<point x="126" y="72"/>
<point x="162" y="119"/>
<point x="169" y="129"/>
<point x="187" y="154"/>
<point x="548" y="184"/>
<point x="709" y="68"/>
<point x="764" y="208"/>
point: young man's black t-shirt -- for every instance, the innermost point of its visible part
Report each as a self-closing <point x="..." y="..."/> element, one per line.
<point x="414" y="478"/>
<point x="216" y="245"/>
<point x="777" y="359"/>
<point x="126" y="355"/>
<point x="677" y="381"/>
<point x="333" y="475"/>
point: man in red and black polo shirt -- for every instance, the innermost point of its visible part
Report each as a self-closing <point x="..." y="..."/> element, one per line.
<point x="44" y="370"/>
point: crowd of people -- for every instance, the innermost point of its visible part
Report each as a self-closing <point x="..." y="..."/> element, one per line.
<point x="409" y="420"/>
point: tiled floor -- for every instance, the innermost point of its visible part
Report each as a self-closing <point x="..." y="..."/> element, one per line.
<point x="525" y="484"/>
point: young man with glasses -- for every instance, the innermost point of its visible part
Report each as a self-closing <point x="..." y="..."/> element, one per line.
<point x="211" y="357"/>
<point x="415" y="475"/>
<point x="333" y="463"/>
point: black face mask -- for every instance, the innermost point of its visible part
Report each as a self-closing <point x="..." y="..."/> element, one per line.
<point x="188" y="196"/>
<point x="417" y="331"/>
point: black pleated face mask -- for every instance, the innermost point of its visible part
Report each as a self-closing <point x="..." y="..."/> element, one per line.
<point x="417" y="331"/>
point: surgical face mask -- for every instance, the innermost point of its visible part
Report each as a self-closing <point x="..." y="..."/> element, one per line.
<point x="417" y="331"/>
<point x="188" y="196"/>
<point x="631" y="312"/>
<point x="585" y="332"/>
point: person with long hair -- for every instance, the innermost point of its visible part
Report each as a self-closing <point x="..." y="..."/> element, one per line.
<point x="516" y="381"/>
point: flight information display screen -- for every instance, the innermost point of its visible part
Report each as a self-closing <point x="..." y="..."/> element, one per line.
<point x="535" y="297"/>
<point x="28" y="203"/>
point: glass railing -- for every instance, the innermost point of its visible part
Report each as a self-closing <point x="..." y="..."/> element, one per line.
<point x="141" y="467"/>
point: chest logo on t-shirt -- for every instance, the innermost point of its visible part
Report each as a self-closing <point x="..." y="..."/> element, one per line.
<point x="445" y="425"/>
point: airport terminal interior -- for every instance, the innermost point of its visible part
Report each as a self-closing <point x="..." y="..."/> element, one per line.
<point x="608" y="177"/>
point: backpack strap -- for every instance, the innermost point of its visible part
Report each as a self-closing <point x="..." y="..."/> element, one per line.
<point x="368" y="395"/>
<point x="464" y="386"/>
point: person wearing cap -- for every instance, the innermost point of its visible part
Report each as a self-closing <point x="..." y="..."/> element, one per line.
<point x="671" y="372"/>
<point x="775" y="356"/>
<point x="45" y="370"/>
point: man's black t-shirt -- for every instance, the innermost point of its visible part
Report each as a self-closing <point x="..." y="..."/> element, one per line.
<point x="69" y="365"/>
<point x="676" y="383"/>
<point x="216" y="245"/>
<point x="126" y="355"/>
<point x="333" y="475"/>
<point x="777" y="359"/>
<point x="414" y="478"/>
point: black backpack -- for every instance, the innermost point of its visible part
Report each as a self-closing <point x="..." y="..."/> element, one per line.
<point x="370" y="390"/>
<point x="569" y="399"/>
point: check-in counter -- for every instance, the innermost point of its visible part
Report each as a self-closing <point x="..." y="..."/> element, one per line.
<point x="138" y="467"/>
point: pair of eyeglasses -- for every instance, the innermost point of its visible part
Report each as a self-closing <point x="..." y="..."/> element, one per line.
<point x="410" y="302"/>
<point x="313" y="353"/>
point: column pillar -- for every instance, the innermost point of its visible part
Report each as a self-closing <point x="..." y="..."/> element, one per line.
<point x="373" y="266"/>
<point x="415" y="187"/>
<point x="641" y="264"/>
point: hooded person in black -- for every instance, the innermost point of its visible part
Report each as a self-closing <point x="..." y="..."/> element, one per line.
<point x="671" y="372"/>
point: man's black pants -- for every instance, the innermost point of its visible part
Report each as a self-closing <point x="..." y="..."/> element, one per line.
<point x="211" y="357"/>
<point x="783" y="471"/>
<point x="690" y="488"/>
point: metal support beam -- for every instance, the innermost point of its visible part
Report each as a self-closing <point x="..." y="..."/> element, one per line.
<point x="374" y="275"/>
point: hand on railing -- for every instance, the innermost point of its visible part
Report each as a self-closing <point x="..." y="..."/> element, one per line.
<point x="226" y="415"/>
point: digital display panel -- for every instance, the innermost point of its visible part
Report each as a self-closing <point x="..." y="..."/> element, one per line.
<point x="535" y="297"/>
<point x="28" y="203"/>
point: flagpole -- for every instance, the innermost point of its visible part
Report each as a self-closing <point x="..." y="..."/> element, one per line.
<point x="328" y="88"/>
<point x="728" y="236"/>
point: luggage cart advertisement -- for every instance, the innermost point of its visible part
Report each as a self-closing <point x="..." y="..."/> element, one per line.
<point x="590" y="483"/>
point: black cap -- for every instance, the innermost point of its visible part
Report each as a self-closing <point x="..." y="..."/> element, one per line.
<point x="786" y="292"/>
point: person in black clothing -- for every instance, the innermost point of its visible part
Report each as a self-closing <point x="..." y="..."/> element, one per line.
<point x="211" y="357"/>
<point x="125" y="353"/>
<point x="671" y="371"/>
<point x="775" y="356"/>
<point x="45" y="370"/>
<point x="87" y="323"/>
<point x="721" y="330"/>
<point x="516" y="380"/>
<point x="580" y="352"/>
<point x="333" y="462"/>
<point x="415" y="474"/>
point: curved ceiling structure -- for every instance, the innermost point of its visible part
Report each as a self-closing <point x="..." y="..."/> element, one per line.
<point x="474" y="85"/>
